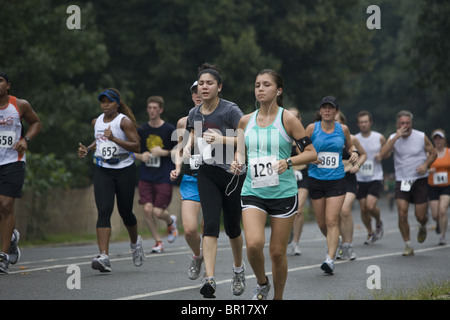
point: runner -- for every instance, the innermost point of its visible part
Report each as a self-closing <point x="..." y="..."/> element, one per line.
<point x="190" y="198"/>
<point x="326" y="176"/>
<point x="370" y="177"/>
<point x="413" y="155"/>
<point x="438" y="180"/>
<point x="270" y="187"/>
<point x="155" y="187"/>
<point x="116" y="140"/>
<point x="301" y="175"/>
<point x="346" y="226"/>
<point x="213" y="125"/>
<point x="13" y="147"/>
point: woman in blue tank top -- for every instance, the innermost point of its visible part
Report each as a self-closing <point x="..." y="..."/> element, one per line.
<point x="270" y="187"/>
<point x="327" y="185"/>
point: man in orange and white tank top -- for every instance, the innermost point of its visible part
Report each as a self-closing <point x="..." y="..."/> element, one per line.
<point x="438" y="180"/>
<point x="413" y="155"/>
<point x="13" y="146"/>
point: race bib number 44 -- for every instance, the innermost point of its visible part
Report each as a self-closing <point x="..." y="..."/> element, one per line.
<point x="7" y="139"/>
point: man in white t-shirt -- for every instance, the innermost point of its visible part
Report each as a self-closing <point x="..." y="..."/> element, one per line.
<point x="370" y="176"/>
<point x="413" y="155"/>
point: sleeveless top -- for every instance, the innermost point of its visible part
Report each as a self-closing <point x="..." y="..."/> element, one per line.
<point x="441" y="177"/>
<point x="372" y="169"/>
<point x="409" y="153"/>
<point x="108" y="151"/>
<point x="265" y="146"/>
<point x="329" y="147"/>
<point x="10" y="132"/>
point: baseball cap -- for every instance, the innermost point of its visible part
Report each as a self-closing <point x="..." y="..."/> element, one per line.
<point x="330" y="100"/>
<point x="439" y="133"/>
<point x="195" y="84"/>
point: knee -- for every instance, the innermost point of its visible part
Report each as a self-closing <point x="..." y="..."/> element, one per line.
<point x="277" y="254"/>
<point x="254" y="245"/>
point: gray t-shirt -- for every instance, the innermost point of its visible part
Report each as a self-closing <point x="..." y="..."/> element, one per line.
<point x="225" y="118"/>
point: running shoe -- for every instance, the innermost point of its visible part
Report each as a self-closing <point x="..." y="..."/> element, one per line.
<point x="341" y="252"/>
<point x="379" y="231"/>
<point x="172" y="230"/>
<point x="14" y="251"/>
<point x="101" y="263"/>
<point x="370" y="239"/>
<point x="4" y="263"/>
<point x="195" y="268"/>
<point x="351" y="255"/>
<point x="296" y="250"/>
<point x="409" y="251"/>
<point x="442" y="241"/>
<point x="422" y="234"/>
<point x="261" y="291"/>
<point x="328" y="266"/>
<point x="158" y="247"/>
<point x="208" y="288"/>
<point x="138" y="252"/>
<point x="238" y="282"/>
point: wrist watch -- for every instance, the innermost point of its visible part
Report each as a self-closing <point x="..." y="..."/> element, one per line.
<point x="289" y="162"/>
<point x="27" y="139"/>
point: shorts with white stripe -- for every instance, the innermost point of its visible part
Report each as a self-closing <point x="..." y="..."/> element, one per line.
<point x="277" y="208"/>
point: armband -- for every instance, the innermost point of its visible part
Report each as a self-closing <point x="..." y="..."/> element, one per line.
<point x="302" y="143"/>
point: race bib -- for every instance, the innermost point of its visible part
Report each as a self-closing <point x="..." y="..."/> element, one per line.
<point x="153" y="162"/>
<point x="406" y="185"/>
<point x="109" y="150"/>
<point x="262" y="172"/>
<point x="440" y="178"/>
<point x="298" y="175"/>
<point x="367" y="169"/>
<point x="194" y="161"/>
<point x="7" y="139"/>
<point x="330" y="160"/>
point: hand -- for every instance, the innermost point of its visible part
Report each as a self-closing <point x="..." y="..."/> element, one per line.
<point x="174" y="174"/>
<point x="82" y="150"/>
<point x="145" y="156"/>
<point x="236" y="168"/>
<point x="422" y="169"/>
<point x="21" y="146"/>
<point x="211" y="136"/>
<point x="353" y="158"/>
<point x="108" y="133"/>
<point x="157" y="151"/>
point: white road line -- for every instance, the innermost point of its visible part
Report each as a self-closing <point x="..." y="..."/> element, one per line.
<point x="157" y="293"/>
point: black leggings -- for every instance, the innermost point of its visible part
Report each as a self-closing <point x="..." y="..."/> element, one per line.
<point x="107" y="184"/>
<point x="212" y="184"/>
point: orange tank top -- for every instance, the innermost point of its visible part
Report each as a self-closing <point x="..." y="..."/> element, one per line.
<point x="441" y="178"/>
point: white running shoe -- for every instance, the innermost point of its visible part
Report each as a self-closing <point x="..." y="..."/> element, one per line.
<point x="14" y="251"/>
<point x="138" y="252"/>
<point x="101" y="263"/>
<point x="328" y="266"/>
<point x="261" y="291"/>
<point x="172" y="230"/>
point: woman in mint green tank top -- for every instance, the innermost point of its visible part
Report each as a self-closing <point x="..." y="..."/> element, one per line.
<point x="264" y="142"/>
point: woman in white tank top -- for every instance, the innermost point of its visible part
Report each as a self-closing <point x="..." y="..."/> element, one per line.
<point x="116" y="139"/>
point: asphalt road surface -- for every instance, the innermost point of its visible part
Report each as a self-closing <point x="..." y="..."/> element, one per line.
<point x="64" y="272"/>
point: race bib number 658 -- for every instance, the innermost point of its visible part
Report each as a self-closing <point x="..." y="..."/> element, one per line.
<point x="7" y="139"/>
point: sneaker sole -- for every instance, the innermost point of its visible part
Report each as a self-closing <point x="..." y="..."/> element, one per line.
<point x="326" y="268"/>
<point x="207" y="291"/>
<point x="100" y="267"/>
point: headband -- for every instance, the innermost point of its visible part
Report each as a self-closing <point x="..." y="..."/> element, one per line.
<point x="3" y="75"/>
<point x="212" y="72"/>
<point x="111" y="95"/>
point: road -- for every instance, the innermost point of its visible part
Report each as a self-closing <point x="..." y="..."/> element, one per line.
<point x="44" y="272"/>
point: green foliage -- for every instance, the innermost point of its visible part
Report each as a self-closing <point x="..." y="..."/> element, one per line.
<point x="144" y="48"/>
<point x="45" y="175"/>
